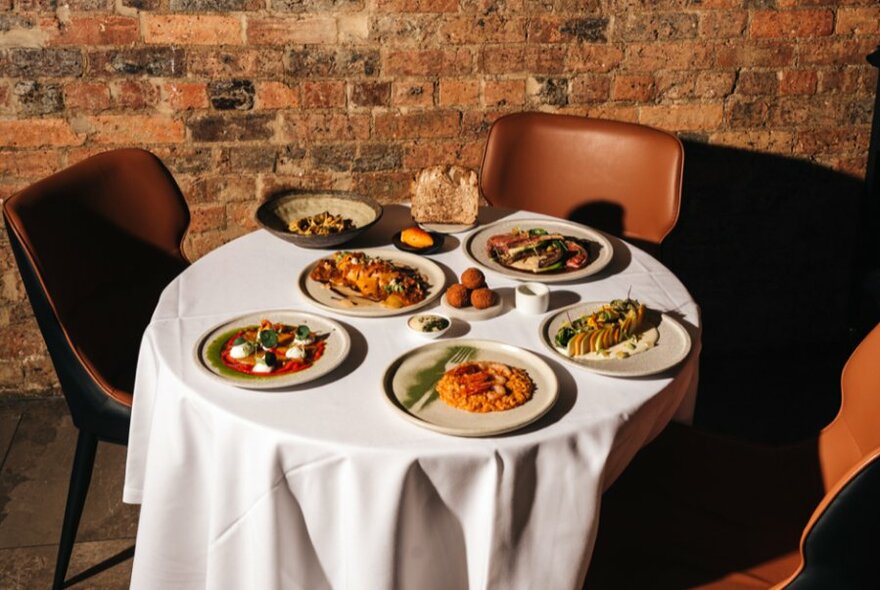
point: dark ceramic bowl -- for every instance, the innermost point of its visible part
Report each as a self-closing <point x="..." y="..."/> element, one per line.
<point x="279" y="211"/>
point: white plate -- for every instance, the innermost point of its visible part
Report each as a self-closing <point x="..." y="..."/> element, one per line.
<point x="471" y="313"/>
<point x="672" y="346"/>
<point x="409" y="384"/>
<point x="447" y="228"/>
<point x="320" y="295"/>
<point x="475" y="248"/>
<point x="337" y="348"/>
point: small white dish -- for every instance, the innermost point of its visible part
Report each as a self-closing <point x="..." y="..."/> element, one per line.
<point x="532" y="298"/>
<point x="429" y="325"/>
<point x="471" y="313"/>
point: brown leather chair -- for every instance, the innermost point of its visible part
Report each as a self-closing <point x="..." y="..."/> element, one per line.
<point x="623" y="178"/>
<point x="95" y="245"/>
<point x="695" y="510"/>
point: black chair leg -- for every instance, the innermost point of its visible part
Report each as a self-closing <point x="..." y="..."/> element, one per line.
<point x="80" y="477"/>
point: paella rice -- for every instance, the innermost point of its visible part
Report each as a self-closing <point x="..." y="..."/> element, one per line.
<point x="485" y="386"/>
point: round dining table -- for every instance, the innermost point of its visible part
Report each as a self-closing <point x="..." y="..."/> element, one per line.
<point x="325" y="484"/>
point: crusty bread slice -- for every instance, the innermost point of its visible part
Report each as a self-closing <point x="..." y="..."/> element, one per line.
<point x="445" y="194"/>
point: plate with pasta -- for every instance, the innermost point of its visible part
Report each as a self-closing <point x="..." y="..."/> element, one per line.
<point x="620" y="338"/>
<point x="371" y="282"/>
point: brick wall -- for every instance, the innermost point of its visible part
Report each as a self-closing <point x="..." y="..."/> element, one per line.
<point x="244" y="97"/>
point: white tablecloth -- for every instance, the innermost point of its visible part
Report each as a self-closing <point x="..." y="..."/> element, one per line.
<point x="325" y="486"/>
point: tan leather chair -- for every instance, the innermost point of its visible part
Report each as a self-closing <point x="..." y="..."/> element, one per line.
<point x="623" y="178"/>
<point x="696" y="510"/>
<point x="95" y="245"/>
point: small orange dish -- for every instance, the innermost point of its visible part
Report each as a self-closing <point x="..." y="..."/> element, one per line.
<point x="416" y="237"/>
<point x="417" y="240"/>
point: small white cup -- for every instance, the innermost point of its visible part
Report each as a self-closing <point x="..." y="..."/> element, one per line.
<point x="532" y="298"/>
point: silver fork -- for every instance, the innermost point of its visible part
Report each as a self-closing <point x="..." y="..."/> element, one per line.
<point x="462" y="354"/>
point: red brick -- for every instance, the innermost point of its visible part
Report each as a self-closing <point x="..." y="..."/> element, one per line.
<point x="38" y="132"/>
<point x="412" y="93"/>
<point x="706" y="84"/>
<point x="134" y="94"/>
<point x="696" y="117"/>
<point x="402" y="6"/>
<point x="757" y="83"/>
<point x="323" y="94"/>
<point x="858" y="21"/>
<point x="634" y="87"/>
<point x="469" y="30"/>
<point x="242" y="216"/>
<point x="428" y="62"/>
<point x="192" y="30"/>
<point x="385" y="187"/>
<point x="308" y="180"/>
<point x="455" y="92"/>
<point x="593" y="58"/>
<point x="423" y="154"/>
<point x="797" y="82"/>
<point x="235" y="62"/>
<point x="834" y="51"/>
<point x="832" y="141"/>
<point x="288" y="31"/>
<point x="678" y="55"/>
<point x="88" y="96"/>
<point x="185" y="96"/>
<point x="847" y="80"/>
<point x="207" y="217"/>
<point x="546" y="59"/>
<point x="502" y="59"/>
<point x="791" y="24"/>
<point x="324" y="126"/>
<point x="135" y="129"/>
<point x="658" y="26"/>
<point x="755" y="140"/>
<point x="417" y="125"/>
<point x="37" y="164"/>
<point x="727" y="24"/>
<point x="371" y="94"/>
<point x="276" y="95"/>
<point x="590" y="88"/>
<point x="499" y="93"/>
<point x="766" y="54"/>
<point x="92" y="30"/>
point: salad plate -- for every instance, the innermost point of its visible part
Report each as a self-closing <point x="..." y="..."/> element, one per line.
<point x="339" y="299"/>
<point x="541" y="250"/>
<point x="410" y="383"/>
<point x="321" y="342"/>
<point x="673" y="343"/>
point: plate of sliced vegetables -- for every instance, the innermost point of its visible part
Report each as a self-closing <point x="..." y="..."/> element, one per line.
<point x="621" y="338"/>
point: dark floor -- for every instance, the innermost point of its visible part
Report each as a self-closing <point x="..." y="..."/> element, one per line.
<point x="37" y="440"/>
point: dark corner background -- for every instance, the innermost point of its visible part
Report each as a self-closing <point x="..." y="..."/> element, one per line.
<point x="778" y="253"/>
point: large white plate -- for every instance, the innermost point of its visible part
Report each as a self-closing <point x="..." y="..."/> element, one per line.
<point x="409" y="387"/>
<point x="337" y="348"/>
<point x="672" y="346"/>
<point x="600" y="254"/>
<point x="320" y="295"/>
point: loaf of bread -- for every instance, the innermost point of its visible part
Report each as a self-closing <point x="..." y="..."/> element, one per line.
<point x="445" y="194"/>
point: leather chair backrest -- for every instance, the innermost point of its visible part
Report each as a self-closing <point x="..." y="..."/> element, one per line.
<point x="855" y="431"/>
<point x="841" y="543"/>
<point x="96" y="244"/>
<point x="583" y="169"/>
